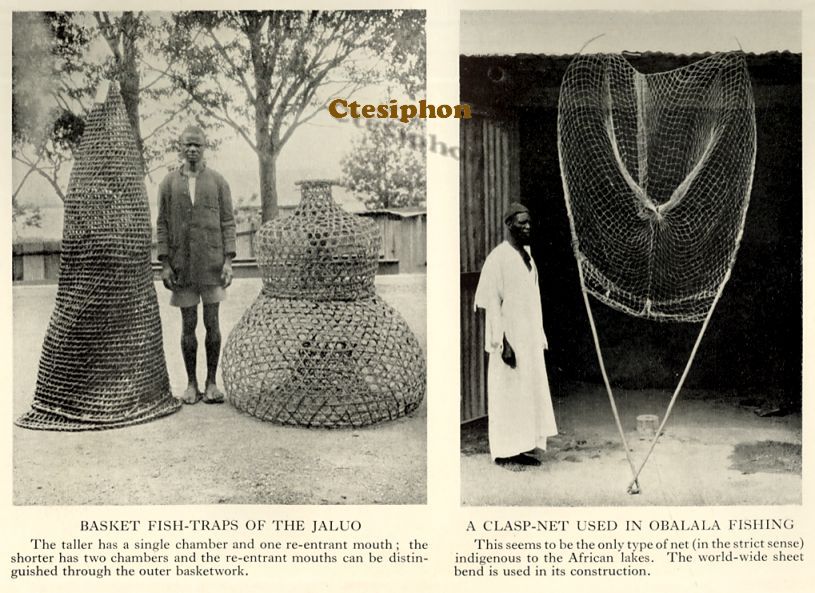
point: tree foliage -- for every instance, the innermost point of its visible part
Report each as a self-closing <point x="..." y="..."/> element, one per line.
<point x="51" y="92"/>
<point x="386" y="165"/>
<point x="59" y="60"/>
<point x="259" y="74"/>
<point x="265" y="73"/>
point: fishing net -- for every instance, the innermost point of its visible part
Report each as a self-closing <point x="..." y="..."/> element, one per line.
<point x="102" y="362"/>
<point x="657" y="171"/>
<point x="319" y="348"/>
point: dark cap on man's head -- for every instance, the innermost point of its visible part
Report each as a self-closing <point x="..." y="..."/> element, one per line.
<point x="513" y="209"/>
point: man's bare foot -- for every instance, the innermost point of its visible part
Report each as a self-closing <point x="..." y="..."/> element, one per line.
<point x="213" y="395"/>
<point x="191" y="395"/>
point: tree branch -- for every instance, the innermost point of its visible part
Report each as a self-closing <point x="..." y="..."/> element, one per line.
<point x="293" y="54"/>
<point x="106" y="27"/>
<point x="238" y="71"/>
<point x="309" y="79"/>
<point x="202" y="103"/>
<point x="300" y="120"/>
<point x="311" y="84"/>
<point x="153" y="82"/>
<point x="41" y="172"/>
<point x="184" y="106"/>
<point x="25" y="177"/>
<point x="149" y="173"/>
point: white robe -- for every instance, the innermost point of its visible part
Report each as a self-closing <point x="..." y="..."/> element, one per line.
<point x="521" y="416"/>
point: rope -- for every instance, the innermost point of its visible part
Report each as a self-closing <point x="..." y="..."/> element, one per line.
<point x="611" y="400"/>
<point x="580" y="51"/>
<point x="634" y="483"/>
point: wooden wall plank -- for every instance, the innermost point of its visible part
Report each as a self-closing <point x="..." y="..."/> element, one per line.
<point x="489" y="181"/>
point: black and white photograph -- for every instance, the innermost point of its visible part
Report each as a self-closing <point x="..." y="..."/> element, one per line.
<point x="162" y="160"/>
<point x="409" y="296"/>
<point x="630" y="258"/>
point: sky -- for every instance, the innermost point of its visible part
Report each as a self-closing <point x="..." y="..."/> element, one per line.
<point x="511" y="32"/>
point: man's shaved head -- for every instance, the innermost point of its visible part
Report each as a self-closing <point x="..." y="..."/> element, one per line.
<point x="193" y="132"/>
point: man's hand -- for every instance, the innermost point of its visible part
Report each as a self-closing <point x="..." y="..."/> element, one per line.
<point x="226" y="273"/>
<point x="508" y="354"/>
<point x="167" y="276"/>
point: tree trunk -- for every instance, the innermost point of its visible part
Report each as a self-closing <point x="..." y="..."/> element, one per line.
<point x="267" y="149"/>
<point x="267" y="157"/>
<point x="268" y="185"/>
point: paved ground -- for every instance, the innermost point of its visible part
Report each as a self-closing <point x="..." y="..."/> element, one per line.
<point x="213" y="454"/>
<point x="714" y="451"/>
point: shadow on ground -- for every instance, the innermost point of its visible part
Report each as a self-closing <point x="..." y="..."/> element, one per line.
<point x="767" y="456"/>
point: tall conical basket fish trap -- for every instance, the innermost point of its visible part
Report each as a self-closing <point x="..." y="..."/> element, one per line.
<point x="102" y="363"/>
<point x="319" y="348"/>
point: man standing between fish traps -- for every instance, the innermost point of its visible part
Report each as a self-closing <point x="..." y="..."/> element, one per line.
<point x="195" y="232"/>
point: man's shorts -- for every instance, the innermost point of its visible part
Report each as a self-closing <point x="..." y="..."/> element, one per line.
<point x="190" y="296"/>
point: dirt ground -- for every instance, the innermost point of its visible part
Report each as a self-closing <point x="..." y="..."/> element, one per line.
<point x="207" y="454"/>
<point x="715" y="450"/>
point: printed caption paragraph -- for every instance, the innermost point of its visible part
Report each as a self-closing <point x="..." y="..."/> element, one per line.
<point x="202" y="548"/>
<point x="547" y="548"/>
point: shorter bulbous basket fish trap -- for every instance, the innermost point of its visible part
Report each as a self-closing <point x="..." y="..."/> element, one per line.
<point x="102" y="363"/>
<point x="319" y="348"/>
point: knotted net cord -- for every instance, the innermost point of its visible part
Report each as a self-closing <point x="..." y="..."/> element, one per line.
<point x="657" y="171"/>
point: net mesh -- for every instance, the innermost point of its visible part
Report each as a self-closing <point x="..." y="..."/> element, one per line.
<point x="657" y="171"/>
<point x="102" y="363"/>
<point x="319" y="348"/>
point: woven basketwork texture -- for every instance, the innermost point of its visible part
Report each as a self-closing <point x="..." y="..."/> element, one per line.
<point x="319" y="348"/>
<point x="324" y="364"/>
<point x="320" y="252"/>
<point x="102" y="363"/>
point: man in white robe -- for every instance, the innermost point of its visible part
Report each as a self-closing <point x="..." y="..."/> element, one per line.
<point x="521" y="416"/>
